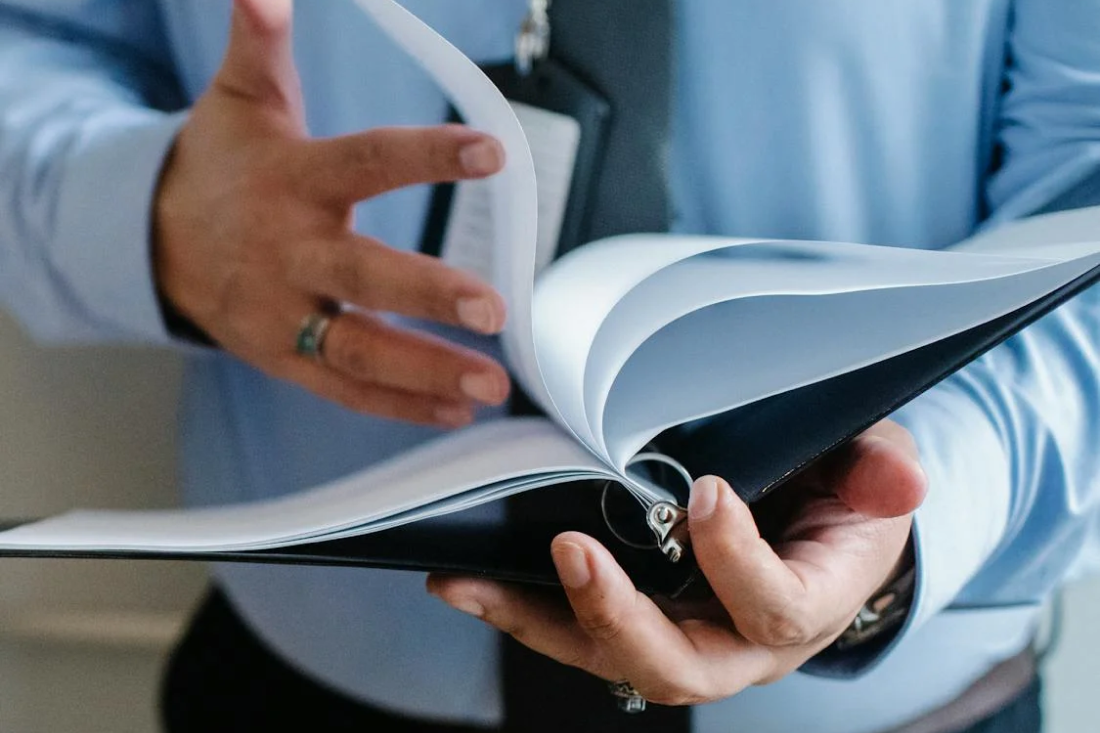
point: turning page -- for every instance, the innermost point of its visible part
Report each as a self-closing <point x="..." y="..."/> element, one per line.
<point x="514" y="199"/>
<point x="625" y="338"/>
<point x="647" y="332"/>
<point x="478" y="465"/>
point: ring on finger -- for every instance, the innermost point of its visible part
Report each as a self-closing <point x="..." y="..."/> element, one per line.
<point x="628" y="698"/>
<point x="311" y="335"/>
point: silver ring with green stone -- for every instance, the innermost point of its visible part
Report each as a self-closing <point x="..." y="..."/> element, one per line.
<point x="311" y="335"/>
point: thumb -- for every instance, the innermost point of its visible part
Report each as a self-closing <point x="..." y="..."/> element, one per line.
<point x="259" y="63"/>
<point x="879" y="472"/>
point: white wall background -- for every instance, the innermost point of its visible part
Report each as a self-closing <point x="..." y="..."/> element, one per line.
<point x="81" y="642"/>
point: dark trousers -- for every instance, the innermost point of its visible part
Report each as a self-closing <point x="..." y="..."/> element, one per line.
<point x="222" y="678"/>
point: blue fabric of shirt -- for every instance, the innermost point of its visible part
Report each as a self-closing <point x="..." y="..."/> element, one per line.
<point x="901" y="122"/>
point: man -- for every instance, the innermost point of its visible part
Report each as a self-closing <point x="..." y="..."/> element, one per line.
<point x="899" y="122"/>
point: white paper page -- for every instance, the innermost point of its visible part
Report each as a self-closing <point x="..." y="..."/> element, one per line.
<point x="515" y="201"/>
<point x="452" y="506"/>
<point x="575" y="296"/>
<point x="495" y="455"/>
<point x="768" y="269"/>
<point x="741" y="351"/>
<point x="481" y="462"/>
<point x="553" y="139"/>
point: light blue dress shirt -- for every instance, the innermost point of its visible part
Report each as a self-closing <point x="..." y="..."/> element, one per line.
<point x="903" y="122"/>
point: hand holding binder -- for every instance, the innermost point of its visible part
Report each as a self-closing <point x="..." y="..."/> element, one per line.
<point x="789" y="348"/>
<point x="830" y="541"/>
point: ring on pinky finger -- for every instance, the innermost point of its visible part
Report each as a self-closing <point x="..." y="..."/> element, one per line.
<point x="627" y="697"/>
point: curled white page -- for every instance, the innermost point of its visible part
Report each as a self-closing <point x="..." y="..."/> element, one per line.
<point x="597" y="306"/>
<point x="471" y="467"/>
<point x="514" y="193"/>
<point x="635" y="335"/>
<point x="740" y="351"/>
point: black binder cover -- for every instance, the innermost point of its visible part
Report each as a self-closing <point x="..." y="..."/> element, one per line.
<point x="756" y="448"/>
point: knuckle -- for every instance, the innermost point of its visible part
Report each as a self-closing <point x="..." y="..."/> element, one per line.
<point x="507" y="623"/>
<point x="718" y="542"/>
<point x="357" y="361"/>
<point x="572" y="657"/>
<point x="430" y="293"/>
<point x="786" y="632"/>
<point x="365" y="155"/>
<point x="601" y="624"/>
<point x="350" y="352"/>
<point x="778" y="628"/>
<point x="348" y="275"/>
<point x="366" y="162"/>
<point x="443" y="153"/>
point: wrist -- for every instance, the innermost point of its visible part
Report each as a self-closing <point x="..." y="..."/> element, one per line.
<point x="176" y="322"/>
<point x="886" y="610"/>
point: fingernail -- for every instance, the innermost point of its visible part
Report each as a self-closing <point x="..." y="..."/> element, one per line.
<point x="481" y="158"/>
<point x="454" y="415"/>
<point x="477" y="314"/>
<point x="572" y="565"/>
<point x="481" y="387"/>
<point x="466" y="605"/>
<point x="704" y="498"/>
<point x="920" y="471"/>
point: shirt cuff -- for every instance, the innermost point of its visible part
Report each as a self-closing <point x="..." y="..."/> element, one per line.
<point x="960" y="524"/>
<point x="965" y="514"/>
<point x="102" y="246"/>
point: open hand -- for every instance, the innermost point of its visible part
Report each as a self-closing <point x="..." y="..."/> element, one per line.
<point x="845" y="525"/>
<point x="253" y="233"/>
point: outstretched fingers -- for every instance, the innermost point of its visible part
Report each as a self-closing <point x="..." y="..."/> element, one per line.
<point x="344" y="170"/>
<point x="371" y="351"/>
<point x="370" y="275"/>
<point x="259" y="61"/>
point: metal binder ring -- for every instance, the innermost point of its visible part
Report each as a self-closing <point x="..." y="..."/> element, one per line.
<point x="607" y="486"/>
<point x="648" y="457"/>
<point x="675" y="465"/>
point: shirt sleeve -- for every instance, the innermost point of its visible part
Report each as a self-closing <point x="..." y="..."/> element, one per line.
<point x="84" y="132"/>
<point x="1009" y="443"/>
